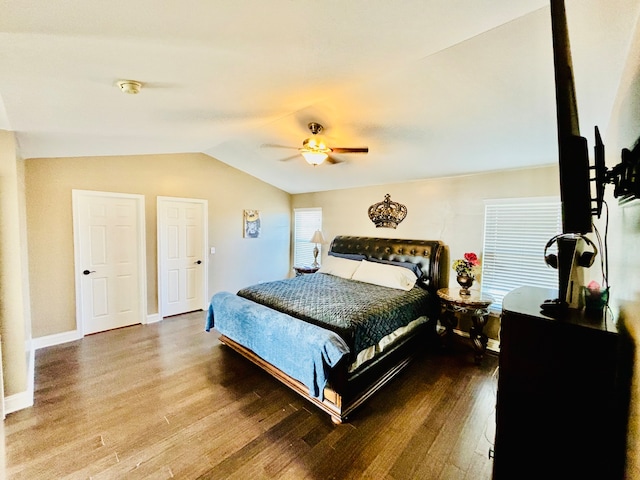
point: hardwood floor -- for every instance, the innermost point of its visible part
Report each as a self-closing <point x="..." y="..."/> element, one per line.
<point x="167" y="400"/>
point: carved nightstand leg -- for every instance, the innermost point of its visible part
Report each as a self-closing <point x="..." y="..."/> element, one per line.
<point x="478" y="337"/>
<point x="449" y="321"/>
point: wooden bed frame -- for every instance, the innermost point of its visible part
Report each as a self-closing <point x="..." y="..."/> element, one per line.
<point x="345" y="392"/>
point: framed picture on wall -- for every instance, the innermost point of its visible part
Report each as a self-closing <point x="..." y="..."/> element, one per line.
<point x="251" y="223"/>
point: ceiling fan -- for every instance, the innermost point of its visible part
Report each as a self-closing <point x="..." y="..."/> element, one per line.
<point x="315" y="150"/>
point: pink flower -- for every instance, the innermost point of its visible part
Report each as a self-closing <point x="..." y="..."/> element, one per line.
<point x="469" y="265"/>
<point x="594" y="286"/>
<point x="472" y="258"/>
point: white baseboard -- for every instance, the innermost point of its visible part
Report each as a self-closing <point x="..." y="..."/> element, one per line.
<point x="18" y="401"/>
<point x="56" y="339"/>
<point x="21" y="400"/>
<point x="73" y="335"/>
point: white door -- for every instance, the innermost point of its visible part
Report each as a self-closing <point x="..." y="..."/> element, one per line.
<point x="182" y="256"/>
<point x="109" y="253"/>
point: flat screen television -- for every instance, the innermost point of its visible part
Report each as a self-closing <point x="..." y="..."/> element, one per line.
<point x="575" y="185"/>
<point x="573" y="160"/>
<point x="573" y="153"/>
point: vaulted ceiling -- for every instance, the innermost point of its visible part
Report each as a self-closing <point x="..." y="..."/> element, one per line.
<point x="433" y="88"/>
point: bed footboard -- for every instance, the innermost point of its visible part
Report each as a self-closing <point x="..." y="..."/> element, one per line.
<point x="350" y="394"/>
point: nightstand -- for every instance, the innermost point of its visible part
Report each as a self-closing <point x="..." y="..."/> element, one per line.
<point x="305" y="270"/>
<point x="477" y="304"/>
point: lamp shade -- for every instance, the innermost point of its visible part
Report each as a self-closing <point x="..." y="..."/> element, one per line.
<point x="317" y="237"/>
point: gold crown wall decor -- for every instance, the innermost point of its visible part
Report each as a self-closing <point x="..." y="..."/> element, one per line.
<point x="387" y="214"/>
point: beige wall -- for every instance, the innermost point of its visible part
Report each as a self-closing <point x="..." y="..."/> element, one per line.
<point x="448" y="209"/>
<point x="14" y="312"/>
<point x="237" y="262"/>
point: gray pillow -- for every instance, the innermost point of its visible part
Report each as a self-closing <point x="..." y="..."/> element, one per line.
<point x="349" y="256"/>
<point x="414" y="267"/>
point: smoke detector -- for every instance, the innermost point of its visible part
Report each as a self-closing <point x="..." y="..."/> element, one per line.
<point x="129" y="86"/>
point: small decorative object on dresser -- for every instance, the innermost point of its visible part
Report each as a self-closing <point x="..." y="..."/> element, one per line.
<point x="466" y="269"/>
<point x="595" y="298"/>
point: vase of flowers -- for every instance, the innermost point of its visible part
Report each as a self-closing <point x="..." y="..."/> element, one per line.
<point x="466" y="269"/>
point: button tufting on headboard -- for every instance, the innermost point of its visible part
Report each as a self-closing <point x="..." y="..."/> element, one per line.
<point x="429" y="254"/>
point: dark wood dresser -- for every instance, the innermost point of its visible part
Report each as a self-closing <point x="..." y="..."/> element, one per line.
<point x="562" y="403"/>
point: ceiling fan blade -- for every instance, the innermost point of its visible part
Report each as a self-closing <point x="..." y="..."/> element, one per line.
<point x="350" y="150"/>
<point x="286" y="159"/>
<point x="275" y="145"/>
<point x="333" y="160"/>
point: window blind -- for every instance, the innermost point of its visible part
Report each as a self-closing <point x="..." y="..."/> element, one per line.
<point x="515" y="234"/>
<point x="306" y="222"/>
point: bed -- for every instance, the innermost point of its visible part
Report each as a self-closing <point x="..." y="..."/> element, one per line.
<point x="338" y="335"/>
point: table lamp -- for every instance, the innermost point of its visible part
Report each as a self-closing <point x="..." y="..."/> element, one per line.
<point x="317" y="238"/>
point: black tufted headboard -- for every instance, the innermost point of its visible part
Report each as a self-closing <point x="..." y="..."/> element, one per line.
<point x="429" y="254"/>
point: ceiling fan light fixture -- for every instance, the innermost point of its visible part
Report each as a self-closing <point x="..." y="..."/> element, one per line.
<point x="316" y="144"/>
<point x="314" y="157"/>
<point x="129" y="86"/>
<point x="315" y="150"/>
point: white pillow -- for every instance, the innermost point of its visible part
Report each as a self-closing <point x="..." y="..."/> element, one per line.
<point x="340" y="267"/>
<point x="385" y="275"/>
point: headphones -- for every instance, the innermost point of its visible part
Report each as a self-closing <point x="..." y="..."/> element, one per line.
<point x="585" y="259"/>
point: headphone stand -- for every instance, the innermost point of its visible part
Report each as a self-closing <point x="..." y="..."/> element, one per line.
<point x="566" y="256"/>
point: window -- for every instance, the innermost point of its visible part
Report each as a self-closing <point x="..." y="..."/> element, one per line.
<point x="515" y="234"/>
<point x="305" y="222"/>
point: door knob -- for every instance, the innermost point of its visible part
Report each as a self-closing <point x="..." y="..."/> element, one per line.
<point x="199" y="262"/>
<point x="87" y="272"/>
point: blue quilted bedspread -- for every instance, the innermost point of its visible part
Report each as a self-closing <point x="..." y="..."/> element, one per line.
<point x="342" y="317"/>
<point x="304" y="351"/>
<point x="361" y="313"/>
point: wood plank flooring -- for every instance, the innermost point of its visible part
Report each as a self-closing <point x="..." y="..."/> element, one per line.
<point x="167" y="400"/>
